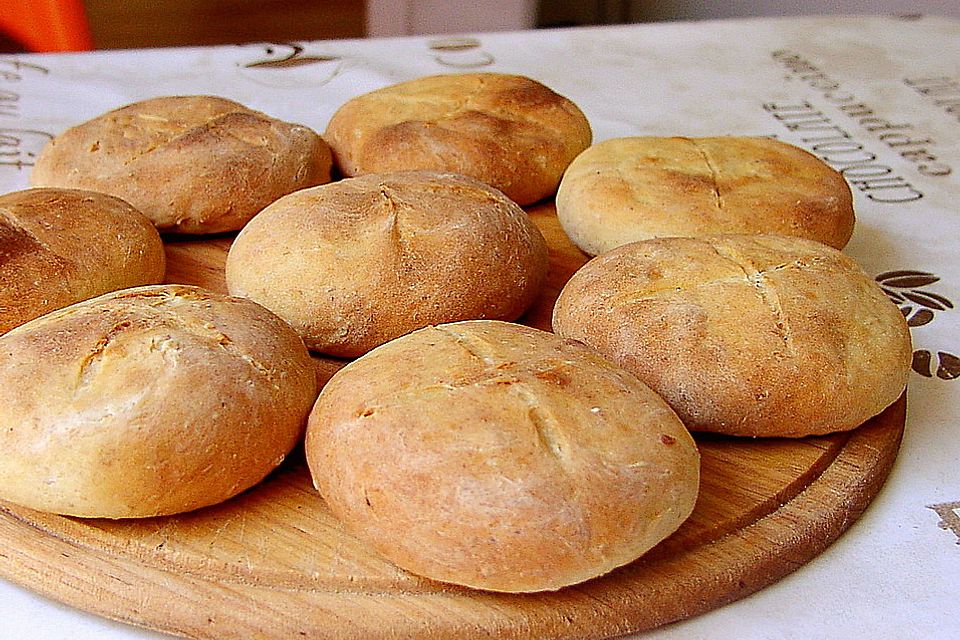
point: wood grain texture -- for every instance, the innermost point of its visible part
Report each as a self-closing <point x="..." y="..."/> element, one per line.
<point x="274" y="563"/>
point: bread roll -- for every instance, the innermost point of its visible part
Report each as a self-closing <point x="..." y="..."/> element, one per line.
<point x="744" y="335"/>
<point x="192" y="164"/>
<point x="508" y="131"/>
<point x="60" y="246"/>
<point x="364" y="260"/>
<point x="148" y="401"/>
<point x="628" y="189"/>
<point x="500" y="457"/>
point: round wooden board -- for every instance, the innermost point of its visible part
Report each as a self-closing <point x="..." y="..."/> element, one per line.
<point x="273" y="562"/>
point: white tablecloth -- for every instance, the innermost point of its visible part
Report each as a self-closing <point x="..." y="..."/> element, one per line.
<point x="876" y="97"/>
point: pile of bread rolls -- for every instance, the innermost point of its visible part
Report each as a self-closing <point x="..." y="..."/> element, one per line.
<point x="461" y="445"/>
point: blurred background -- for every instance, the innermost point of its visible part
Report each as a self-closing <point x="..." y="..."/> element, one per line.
<point x="58" y="25"/>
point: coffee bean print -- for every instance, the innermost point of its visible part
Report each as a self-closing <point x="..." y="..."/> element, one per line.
<point x="948" y="365"/>
<point x="918" y="317"/>
<point x="949" y="513"/>
<point x="921" y="363"/>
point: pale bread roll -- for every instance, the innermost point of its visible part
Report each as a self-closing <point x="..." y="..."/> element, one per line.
<point x="358" y="262"/>
<point x="508" y="131"/>
<point x="628" y="189"/>
<point x="500" y="457"/>
<point x="751" y="335"/>
<point x="148" y="401"/>
<point x="60" y="246"/>
<point x="192" y="164"/>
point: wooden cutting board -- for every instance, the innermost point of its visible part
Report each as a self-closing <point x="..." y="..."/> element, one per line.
<point x="273" y="563"/>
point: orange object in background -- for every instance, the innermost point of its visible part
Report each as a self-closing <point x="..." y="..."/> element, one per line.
<point x="46" y="25"/>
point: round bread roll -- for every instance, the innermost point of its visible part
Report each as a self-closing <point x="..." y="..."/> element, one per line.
<point x="628" y="189"/>
<point x="748" y="335"/>
<point x="358" y="262"/>
<point x="508" y="131"/>
<point x="60" y="246"/>
<point x="148" y="401"/>
<point x="500" y="457"/>
<point x="192" y="164"/>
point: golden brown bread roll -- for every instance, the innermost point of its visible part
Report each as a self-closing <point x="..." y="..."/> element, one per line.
<point x="192" y="164"/>
<point x="628" y="189"/>
<point x="60" y="246"/>
<point x="753" y="335"/>
<point x="500" y="457"/>
<point x="508" y="131"/>
<point x="364" y="260"/>
<point x="148" y="401"/>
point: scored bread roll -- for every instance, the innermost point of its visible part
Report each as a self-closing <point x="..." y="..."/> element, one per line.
<point x="192" y="164"/>
<point x="508" y="131"/>
<point x="364" y="260"/>
<point x="148" y="401"/>
<point x="628" y="189"/>
<point x="500" y="457"/>
<point x="60" y="246"/>
<point x="752" y="335"/>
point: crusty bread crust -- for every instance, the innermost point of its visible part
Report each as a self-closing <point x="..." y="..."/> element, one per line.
<point x="508" y="131"/>
<point x="60" y="246"/>
<point x="148" y="401"/>
<point x="364" y="260"/>
<point x="192" y="164"/>
<point x="628" y="189"/>
<point x="752" y="335"/>
<point x="500" y="457"/>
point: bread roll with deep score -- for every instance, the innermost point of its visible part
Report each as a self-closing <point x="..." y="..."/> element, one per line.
<point x="148" y="401"/>
<point x="500" y="457"/>
<point x="192" y="164"/>
<point x="60" y="246"/>
<point x="628" y="189"/>
<point x="750" y="335"/>
<point x="355" y="263"/>
<point x="508" y="131"/>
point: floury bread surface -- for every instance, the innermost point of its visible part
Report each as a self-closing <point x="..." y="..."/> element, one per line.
<point x="753" y="335"/>
<point x="628" y="189"/>
<point x="355" y="263"/>
<point x="508" y="131"/>
<point x="148" y="401"/>
<point x="192" y="164"/>
<point x="60" y="246"/>
<point x="500" y="457"/>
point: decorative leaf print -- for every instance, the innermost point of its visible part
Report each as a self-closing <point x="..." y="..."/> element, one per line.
<point x="928" y="300"/>
<point x="907" y="279"/>
<point x="902" y="287"/>
<point x="918" y="307"/>
<point x="893" y="295"/>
